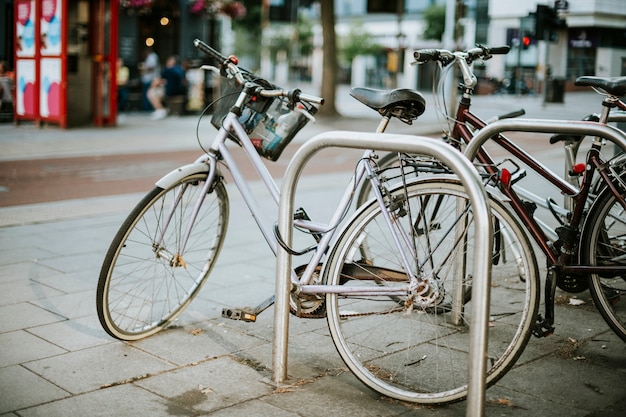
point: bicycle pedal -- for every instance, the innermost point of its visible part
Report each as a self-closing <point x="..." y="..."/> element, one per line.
<point x="542" y="328"/>
<point x="238" y="314"/>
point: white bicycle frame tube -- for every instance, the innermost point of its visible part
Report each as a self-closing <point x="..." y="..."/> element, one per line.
<point x="219" y="145"/>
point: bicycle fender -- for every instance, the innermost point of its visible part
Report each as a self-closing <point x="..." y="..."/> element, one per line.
<point x="179" y="173"/>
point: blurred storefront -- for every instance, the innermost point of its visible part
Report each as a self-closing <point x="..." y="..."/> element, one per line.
<point x="64" y="53"/>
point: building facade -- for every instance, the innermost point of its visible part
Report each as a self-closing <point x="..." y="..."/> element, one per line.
<point x="588" y="39"/>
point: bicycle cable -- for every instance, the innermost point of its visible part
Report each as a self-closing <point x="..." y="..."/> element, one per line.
<point x="292" y="251"/>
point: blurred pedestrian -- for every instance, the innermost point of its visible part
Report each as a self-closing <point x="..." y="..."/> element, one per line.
<point x="122" y="74"/>
<point x="7" y="87"/>
<point x="149" y="69"/>
<point x="171" y="82"/>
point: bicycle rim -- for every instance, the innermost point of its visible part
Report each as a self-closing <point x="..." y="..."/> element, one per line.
<point x="418" y="352"/>
<point x="145" y="281"/>
<point x="604" y="243"/>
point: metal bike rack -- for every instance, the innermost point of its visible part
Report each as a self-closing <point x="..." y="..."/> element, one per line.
<point x="544" y="126"/>
<point x="478" y="197"/>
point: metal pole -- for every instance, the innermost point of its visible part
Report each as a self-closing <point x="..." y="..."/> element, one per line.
<point x="478" y="197"/>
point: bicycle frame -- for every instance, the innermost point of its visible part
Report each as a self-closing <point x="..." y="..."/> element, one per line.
<point x="219" y="148"/>
<point x="594" y="163"/>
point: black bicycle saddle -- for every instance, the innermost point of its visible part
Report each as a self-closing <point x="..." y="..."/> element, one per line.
<point x="615" y="86"/>
<point x="403" y="103"/>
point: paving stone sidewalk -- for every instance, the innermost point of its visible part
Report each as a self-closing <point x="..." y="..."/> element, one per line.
<point x="55" y="359"/>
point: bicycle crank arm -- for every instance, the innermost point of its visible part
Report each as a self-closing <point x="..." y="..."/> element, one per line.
<point x="544" y="326"/>
<point x="245" y="313"/>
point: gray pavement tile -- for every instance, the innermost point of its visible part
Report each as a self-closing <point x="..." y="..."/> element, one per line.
<point x="606" y="350"/>
<point x="17" y="254"/>
<point x="569" y="382"/>
<point x="339" y="394"/>
<point x="25" y="315"/>
<point x="17" y="288"/>
<point x="72" y="262"/>
<point x="253" y="408"/>
<point x="579" y="322"/>
<point x="67" y="283"/>
<point x="20" y="388"/>
<point x="125" y="400"/>
<point x="89" y="369"/>
<point x="209" y="386"/>
<point x="501" y="401"/>
<point x="29" y="269"/>
<point x="74" y="305"/>
<point x="84" y="208"/>
<point x="74" y="334"/>
<point x="249" y="294"/>
<point x="20" y="346"/>
<point x="309" y="355"/>
<point x="196" y="343"/>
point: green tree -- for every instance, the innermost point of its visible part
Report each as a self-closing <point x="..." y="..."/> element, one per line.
<point x="435" y="18"/>
<point x="357" y="42"/>
<point x="248" y="32"/>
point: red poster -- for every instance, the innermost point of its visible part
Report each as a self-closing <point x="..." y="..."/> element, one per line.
<point x="25" y="28"/>
<point x="25" y="88"/>
<point x="51" y="28"/>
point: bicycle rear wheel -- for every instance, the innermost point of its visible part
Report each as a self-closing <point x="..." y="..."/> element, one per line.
<point x="145" y="282"/>
<point x="418" y="350"/>
<point x="603" y="243"/>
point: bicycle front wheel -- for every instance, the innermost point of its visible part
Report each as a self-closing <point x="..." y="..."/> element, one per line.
<point x="603" y="243"/>
<point x="417" y="348"/>
<point x="145" y="281"/>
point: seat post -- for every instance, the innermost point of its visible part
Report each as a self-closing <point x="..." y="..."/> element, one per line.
<point x="382" y="125"/>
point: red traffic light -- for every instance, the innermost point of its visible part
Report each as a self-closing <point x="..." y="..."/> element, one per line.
<point x="525" y="41"/>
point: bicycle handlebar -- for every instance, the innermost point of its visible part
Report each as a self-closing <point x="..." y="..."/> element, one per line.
<point x="219" y="58"/>
<point x="462" y="59"/>
<point x="230" y="67"/>
<point x="446" y="57"/>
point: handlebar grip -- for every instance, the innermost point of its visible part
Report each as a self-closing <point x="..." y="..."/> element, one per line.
<point x="426" y="55"/>
<point x="500" y="50"/>
<point x="513" y="114"/>
<point x="219" y="58"/>
<point x="310" y="99"/>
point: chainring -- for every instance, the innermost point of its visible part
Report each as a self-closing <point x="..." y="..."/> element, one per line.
<point x="308" y="306"/>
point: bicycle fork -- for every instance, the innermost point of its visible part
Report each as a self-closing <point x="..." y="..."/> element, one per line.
<point x="177" y="259"/>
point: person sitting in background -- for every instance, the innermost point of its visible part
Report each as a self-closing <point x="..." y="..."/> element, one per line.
<point x="6" y="85"/>
<point x="170" y="83"/>
<point x="122" y="85"/>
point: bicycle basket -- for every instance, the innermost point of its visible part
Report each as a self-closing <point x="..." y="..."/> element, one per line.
<point x="270" y="122"/>
<point x="278" y="126"/>
<point x="229" y="92"/>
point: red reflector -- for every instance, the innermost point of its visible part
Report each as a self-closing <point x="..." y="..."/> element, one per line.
<point x="505" y="177"/>
<point x="579" y="168"/>
<point x="233" y="59"/>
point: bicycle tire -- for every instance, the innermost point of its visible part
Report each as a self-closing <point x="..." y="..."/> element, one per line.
<point x="603" y="242"/>
<point x="420" y="355"/>
<point x="143" y="286"/>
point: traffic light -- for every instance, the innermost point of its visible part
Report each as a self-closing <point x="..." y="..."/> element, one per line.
<point x="526" y="41"/>
<point x="546" y="23"/>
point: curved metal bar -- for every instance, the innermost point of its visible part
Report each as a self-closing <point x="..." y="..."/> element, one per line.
<point x="544" y="126"/>
<point x="478" y="197"/>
